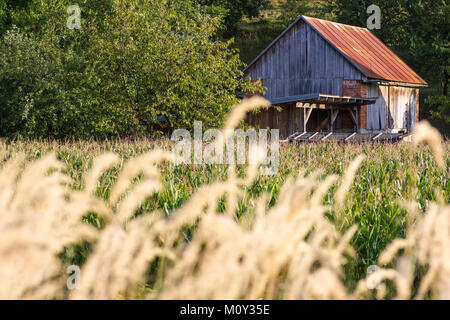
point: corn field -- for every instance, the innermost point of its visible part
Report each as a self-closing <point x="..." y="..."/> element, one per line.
<point x="366" y="221"/>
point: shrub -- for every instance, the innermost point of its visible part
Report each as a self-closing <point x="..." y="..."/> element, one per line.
<point x="132" y="67"/>
<point x="44" y="92"/>
<point x="440" y="106"/>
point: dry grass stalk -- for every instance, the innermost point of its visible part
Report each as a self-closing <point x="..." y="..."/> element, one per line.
<point x="425" y="133"/>
<point x="290" y="251"/>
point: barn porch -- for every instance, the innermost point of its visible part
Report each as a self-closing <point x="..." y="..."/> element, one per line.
<point x="323" y="114"/>
<point x="321" y="117"/>
<point x="336" y="105"/>
<point x="333" y="106"/>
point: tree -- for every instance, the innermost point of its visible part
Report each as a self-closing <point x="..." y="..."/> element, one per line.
<point x="232" y="11"/>
<point x="440" y="106"/>
<point x="46" y="91"/>
<point x="133" y="66"/>
<point x="160" y="61"/>
<point x="290" y="10"/>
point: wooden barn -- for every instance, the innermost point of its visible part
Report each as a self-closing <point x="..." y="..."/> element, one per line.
<point x="334" y="81"/>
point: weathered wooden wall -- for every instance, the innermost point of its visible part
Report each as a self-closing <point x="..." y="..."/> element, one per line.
<point x="289" y="120"/>
<point x="302" y="62"/>
<point x="376" y="113"/>
<point x="402" y="107"/>
<point x="396" y="108"/>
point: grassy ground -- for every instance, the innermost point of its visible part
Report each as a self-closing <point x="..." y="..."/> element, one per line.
<point x="390" y="174"/>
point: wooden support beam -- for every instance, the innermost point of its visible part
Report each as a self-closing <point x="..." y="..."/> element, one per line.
<point x="306" y="115"/>
<point x="315" y="134"/>
<point x="354" y="115"/>
<point x="299" y="136"/>
<point x="350" y="136"/>
<point x="292" y="136"/>
<point x="327" y="136"/>
<point x="334" y="114"/>
<point x="304" y="120"/>
<point x="377" y="136"/>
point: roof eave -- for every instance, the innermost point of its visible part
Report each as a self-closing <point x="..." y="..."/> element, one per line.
<point x="397" y="83"/>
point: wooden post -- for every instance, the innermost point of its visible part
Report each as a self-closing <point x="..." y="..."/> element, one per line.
<point x="330" y="125"/>
<point x="304" y="120"/>
<point x="354" y="115"/>
<point x="306" y="115"/>
<point x="334" y="114"/>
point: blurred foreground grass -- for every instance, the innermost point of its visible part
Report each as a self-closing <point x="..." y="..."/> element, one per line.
<point x="391" y="173"/>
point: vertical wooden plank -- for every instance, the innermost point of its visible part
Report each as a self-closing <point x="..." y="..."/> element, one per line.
<point x="308" y="54"/>
<point x="264" y="66"/>
<point x="275" y="72"/>
<point x="296" y="65"/>
<point x="412" y="109"/>
<point x="279" y="68"/>
<point x="287" y="63"/>
<point x="384" y="98"/>
<point x="323" y="86"/>
<point x="279" y="72"/>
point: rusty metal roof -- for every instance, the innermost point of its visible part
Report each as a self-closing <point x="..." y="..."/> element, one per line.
<point x="363" y="49"/>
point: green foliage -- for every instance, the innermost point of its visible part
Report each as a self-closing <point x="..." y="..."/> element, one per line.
<point x="163" y="65"/>
<point x="440" y="106"/>
<point x="133" y="67"/>
<point x="391" y="174"/>
<point x="3" y="12"/>
<point x="232" y="11"/>
<point x="292" y="9"/>
<point x="45" y="91"/>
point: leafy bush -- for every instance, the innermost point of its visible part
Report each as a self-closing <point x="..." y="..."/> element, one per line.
<point x="131" y="68"/>
<point x="44" y="92"/>
<point x="440" y="106"/>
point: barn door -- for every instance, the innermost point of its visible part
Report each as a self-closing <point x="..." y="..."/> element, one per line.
<point x="376" y="113"/>
<point x="403" y="107"/>
<point x="412" y="110"/>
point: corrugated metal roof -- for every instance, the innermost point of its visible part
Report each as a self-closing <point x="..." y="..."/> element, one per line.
<point x="363" y="49"/>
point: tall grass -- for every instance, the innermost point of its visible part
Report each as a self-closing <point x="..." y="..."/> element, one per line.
<point x="141" y="227"/>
